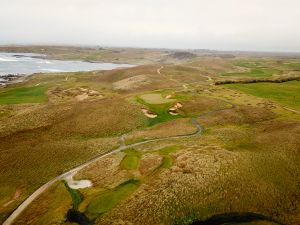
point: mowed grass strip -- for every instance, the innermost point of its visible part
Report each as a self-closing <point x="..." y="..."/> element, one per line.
<point x="34" y="94"/>
<point x="109" y="199"/>
<point x="287" y="93"/>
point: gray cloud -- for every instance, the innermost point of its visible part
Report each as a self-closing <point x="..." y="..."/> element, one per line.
<point x="265" y="25"/>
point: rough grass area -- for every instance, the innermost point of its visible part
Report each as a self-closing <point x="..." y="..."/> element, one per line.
<point x="202" y="104"/>
<point x="41" y="144"/>
<point x="206" y="179"/>
<point x="287" y="93"/>
<point x="23" y="95"/>
<point x="109" y="199"/>
<point x="165" y="129"/>
<point x="49" y="208"/>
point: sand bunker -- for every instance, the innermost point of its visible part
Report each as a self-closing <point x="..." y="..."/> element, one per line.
<point x="77" y="184"/>
<point x="131" y="83"/>
<point x="174" y="110"/>
<point x="149" y="114"/>
<point x="82" y="97"/>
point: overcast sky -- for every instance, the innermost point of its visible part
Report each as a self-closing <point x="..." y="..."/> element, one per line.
<point x="263" y="25"/>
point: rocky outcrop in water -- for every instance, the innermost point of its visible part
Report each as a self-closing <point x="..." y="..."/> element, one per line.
<point x="9" y="78"/>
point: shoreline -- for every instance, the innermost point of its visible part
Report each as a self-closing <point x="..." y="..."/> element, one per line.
<point x="63" y="66"/>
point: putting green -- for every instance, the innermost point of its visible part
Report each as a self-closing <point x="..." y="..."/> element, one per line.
<point x="155" y="99"/>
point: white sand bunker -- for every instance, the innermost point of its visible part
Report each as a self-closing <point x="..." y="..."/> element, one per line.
<point x="174" y="110"/>
<point x="77" y="184"/>
<point x="149" y="114"/>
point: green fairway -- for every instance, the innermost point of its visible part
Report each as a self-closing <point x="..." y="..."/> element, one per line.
<point x="111" y="198"/>
<point x="287" y="93"/>
<point x="161" y="110"/>
<point x="257" y="69"/>
<point x="131" y="160"/>
<point x="294" y="65"/>
<point x="23" y="95"/>
<point x="264" y="72"/>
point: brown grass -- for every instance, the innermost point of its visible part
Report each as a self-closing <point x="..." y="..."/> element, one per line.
<point x="48" y="208"/>
<point x="166" y="129"/>
<point x="237" y="115"/>
<point x="39" y="146"/>
<point x="202" y="104"/>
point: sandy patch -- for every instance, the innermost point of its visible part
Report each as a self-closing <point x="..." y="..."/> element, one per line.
<point x="81" y="97"/>
<point x="93" y="93"/>
<point x="77" y="184"/>
<point x="149" y="114"/>
<point x="131" y="83"/>
<point x="79" y="94"/>
<point x="174" y="110"/>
